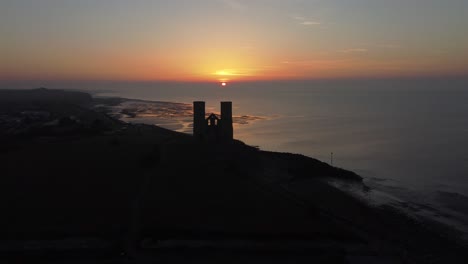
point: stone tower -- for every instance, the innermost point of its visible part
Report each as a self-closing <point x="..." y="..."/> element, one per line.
<point x="212" y="128"/>
<point x="226" y="121"/>
<point x="199" y="123"/>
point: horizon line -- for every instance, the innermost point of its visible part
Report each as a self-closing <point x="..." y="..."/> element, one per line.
<point x="348" y="78"/>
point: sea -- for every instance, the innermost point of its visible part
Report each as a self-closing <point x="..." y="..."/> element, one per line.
<point x="408" y="138"/>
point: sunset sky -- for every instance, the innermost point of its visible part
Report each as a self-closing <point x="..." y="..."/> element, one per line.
<point x="188" y="40"/>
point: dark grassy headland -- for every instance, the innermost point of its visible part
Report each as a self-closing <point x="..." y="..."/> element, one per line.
<point x="79" y="185"/>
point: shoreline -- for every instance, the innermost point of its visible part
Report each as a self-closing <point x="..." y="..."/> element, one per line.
<point x="172" y="115"/>
<point x="247" y="192"/>
<point x="181" y="122"/>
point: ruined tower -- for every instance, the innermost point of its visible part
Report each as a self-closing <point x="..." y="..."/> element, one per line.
<point x="199" y="123"/>
<point x="212" y="128"/>
<point x="226" y="121"/>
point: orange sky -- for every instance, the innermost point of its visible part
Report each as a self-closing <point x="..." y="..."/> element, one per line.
<point x="231" y="40"/>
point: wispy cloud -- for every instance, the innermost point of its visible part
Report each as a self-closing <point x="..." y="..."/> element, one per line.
<point x="353" y="50"/>
<point x="310" y="23"/>
<point x="305" y="21"/>
<point x="388" y="46"/>
<point x="234" y="4"/>
<point x="300" y="18"/>
<point x="318" y="63"/>
<point x="381" y="45"/>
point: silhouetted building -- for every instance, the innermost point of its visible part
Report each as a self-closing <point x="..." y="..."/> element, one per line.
<point x="213" y="128"/>
<point x="199" y="124"/>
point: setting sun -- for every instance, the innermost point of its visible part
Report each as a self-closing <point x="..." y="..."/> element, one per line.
<point x="223" y="84"/>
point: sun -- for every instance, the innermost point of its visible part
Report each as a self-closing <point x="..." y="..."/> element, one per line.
<point x="223" y="84"/>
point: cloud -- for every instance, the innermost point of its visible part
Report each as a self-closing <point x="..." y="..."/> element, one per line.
<point x="353" y="50"/>
<point x="301" y="18"/>
<point x="234" y="4"/>
<point x="388" y="46"/>
<point x="305" y="21"/>
<point x="310" y="23"/>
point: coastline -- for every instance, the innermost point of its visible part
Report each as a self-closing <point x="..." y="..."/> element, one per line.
<point x="445" y="206"/>
<point x="241" y="190"/>
<point x="171" y="115"/>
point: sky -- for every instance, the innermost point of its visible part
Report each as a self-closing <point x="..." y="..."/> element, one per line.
<point x="229" y="40"/>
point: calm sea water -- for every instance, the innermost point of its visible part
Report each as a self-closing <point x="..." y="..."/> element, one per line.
<point x="407" y="138"/>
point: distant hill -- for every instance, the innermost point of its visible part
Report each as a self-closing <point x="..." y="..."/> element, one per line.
<point x="44" y="95"/>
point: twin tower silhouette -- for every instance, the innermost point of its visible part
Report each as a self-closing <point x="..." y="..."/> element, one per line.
<point x="212" y="128"/>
